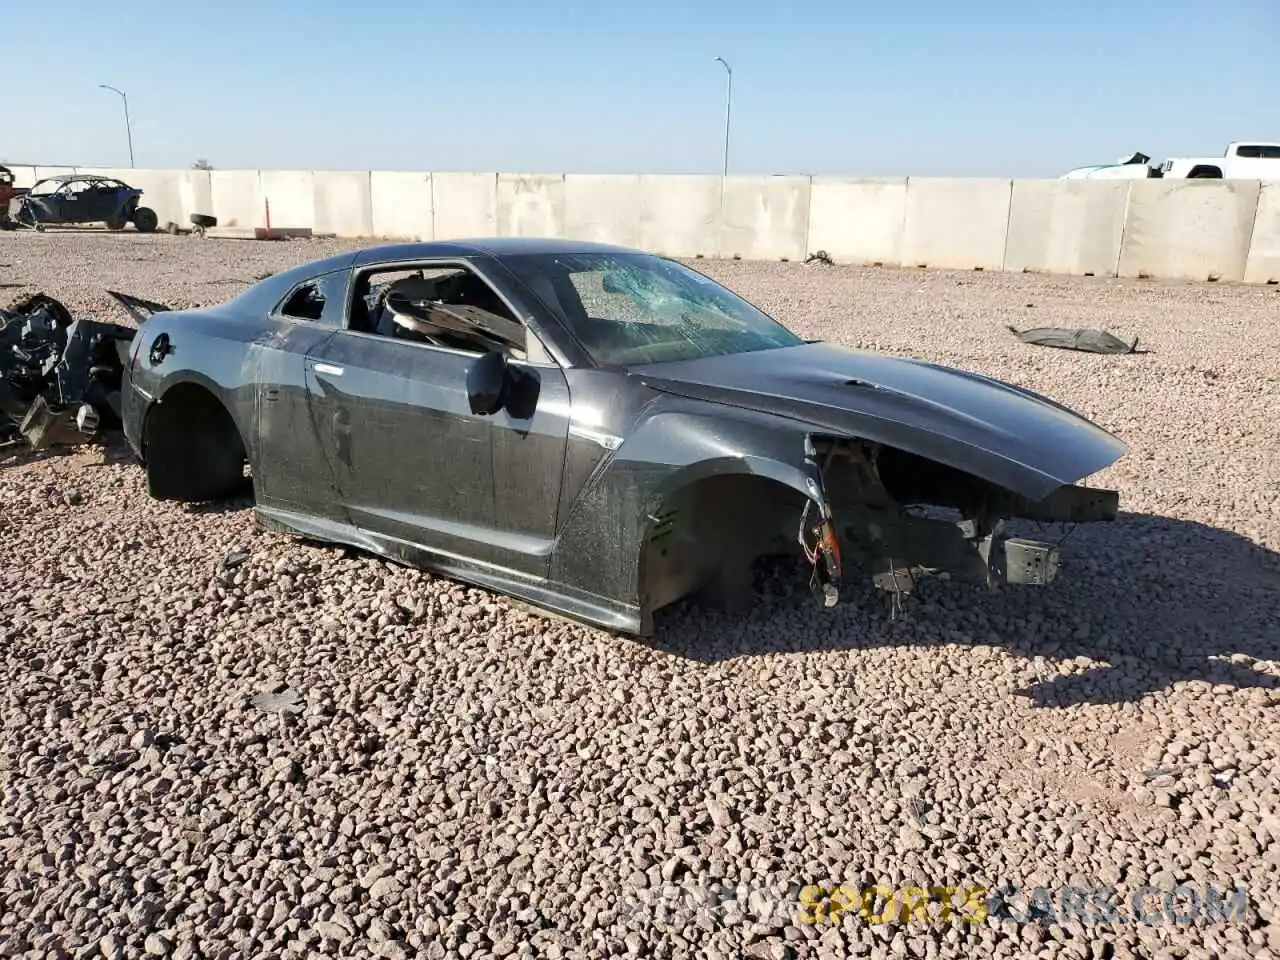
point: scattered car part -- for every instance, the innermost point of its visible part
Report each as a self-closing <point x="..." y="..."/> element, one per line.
<point x="1135" y="166"/>
<point x="8" y="193"/>
<point x="137" y="307"/>
<point x="60" y="377"/>
<point x="820" y="256"/>
<point x="585" y="427"/>
<point x="200" y="222"/>
<point x="83" y="198"/>
<point x="1081" y="338"/>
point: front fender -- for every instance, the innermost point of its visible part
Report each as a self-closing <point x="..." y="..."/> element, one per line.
<point x="679" y="443"/>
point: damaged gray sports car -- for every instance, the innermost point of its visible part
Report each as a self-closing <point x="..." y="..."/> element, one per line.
<point x="595" y="430"/>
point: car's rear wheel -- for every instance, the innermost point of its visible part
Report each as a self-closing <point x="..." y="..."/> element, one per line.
<point x="117" y="222"/>
<point x="145" y="219"/>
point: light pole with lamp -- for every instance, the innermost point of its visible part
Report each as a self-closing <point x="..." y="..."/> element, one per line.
<point x="728" y="109"/>
<point x="128" y="129"/>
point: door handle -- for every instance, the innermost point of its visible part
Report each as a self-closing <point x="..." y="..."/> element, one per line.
<point x="329" y="368"/>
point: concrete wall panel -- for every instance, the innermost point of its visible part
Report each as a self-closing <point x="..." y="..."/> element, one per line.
<point x="1263" y="265"/>
<point x="343" y="204"/>
<point x="1188" y="229"/>
<point x="42" y="172"/>
<point x="1066" y="226"/>
<point x="604" y="209"/>
<point x="173" y="194"/>
<point x="959" y="224"/>
<point x="237" y="198"/>
<point x="765" y="218"/>
<point x="531" y="206"/>
<point x="680" y="215"/>
<point x="23" y="176"/>
<point x="465" y="204"/>
<point x="401" y="204"/>
<point x="292" y="196"/>
<point x="858" y="221"/>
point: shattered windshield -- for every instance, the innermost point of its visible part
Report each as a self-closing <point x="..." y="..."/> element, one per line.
<point x="637" y="308"/>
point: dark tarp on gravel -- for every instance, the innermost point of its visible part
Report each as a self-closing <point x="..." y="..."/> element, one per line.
<point x="1081" y="338"/>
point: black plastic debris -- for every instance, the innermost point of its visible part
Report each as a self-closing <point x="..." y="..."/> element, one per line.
<point x="60" y="377"/>
<point x="1081" y="338"/>
<point x="820" y="256"/>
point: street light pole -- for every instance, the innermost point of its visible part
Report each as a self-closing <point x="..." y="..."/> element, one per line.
<point x="128" y="129"/>
<point x="728" y="109"/>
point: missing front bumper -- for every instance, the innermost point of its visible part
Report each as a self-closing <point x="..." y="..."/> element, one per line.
<point x="998" y="560"/>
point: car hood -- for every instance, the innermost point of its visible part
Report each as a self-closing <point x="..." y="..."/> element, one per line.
<point x="1009" y="436"/>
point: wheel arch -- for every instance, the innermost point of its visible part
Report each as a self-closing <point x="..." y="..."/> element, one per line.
<point x="712" y="519"/>
<point x="192" y="444"/>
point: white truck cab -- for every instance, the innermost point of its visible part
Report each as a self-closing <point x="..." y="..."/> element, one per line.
<point x="1243" y="160"/>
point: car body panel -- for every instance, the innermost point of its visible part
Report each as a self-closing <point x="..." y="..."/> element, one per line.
<point x="1010" y="436"/>
<point x="563" y="497"/>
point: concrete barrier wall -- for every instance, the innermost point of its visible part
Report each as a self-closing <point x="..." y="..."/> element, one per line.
<point x="858" y="221"/>
<point x="236" y="198"/>
<point x="290" y="198"/>
<point x="343" y="202"/>
<point x="958" y="224"/>
<point x="1263" y="264"/>
<point x="765" y="218"/>
<point x="1198" y="229"/>
<point x="401" y="206"/>
<point x="1066" y="226"/>
<point x="604" y="209"/>
<point x="464" y="204"/>
<point x="530" y="205"/>
<point x="680" y="215"/>
<point x="23" y="176"/>
<point x="1188" y="229"/>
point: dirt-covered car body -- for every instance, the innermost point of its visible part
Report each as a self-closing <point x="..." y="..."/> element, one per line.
<point x="593" y="429"/>
<point x="82" y="198"/>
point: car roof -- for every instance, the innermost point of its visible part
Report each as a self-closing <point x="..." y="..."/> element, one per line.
<point x="496" y="247"/>
<point x="68" y="177"/>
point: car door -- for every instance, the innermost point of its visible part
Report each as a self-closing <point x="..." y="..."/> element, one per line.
<point x="414" y="463"/>
<point x="410" y="460"/>
<point x="102" y="201"/>
<point x="75" y="201"/>
<point x="292" y="473"/>
<point x="529" y="438"/>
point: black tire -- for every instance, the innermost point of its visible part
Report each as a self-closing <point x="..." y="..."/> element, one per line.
<point x="145" y="219"/>
<point x="203" y="220"/>
<point x="118" y="222"/>
<point x="1205" y="173"/>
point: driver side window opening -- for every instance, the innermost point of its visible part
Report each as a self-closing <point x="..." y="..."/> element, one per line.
<point x="447" y="306"/>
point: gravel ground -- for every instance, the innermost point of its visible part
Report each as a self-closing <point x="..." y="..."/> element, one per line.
<point x="316" y="752"/>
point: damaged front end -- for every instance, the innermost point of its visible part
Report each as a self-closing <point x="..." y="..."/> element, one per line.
<point x="900" y="518"/>
<point x="60" y="377"/>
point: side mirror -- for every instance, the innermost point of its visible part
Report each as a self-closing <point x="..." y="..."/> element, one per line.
<point x="487" y="383"/>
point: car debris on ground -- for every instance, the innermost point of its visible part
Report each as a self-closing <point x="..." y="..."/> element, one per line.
<point x="1080" y="338"/>
<point x="60" y="376"/>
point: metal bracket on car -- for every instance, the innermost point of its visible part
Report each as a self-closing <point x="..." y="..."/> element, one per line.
<point x="819" y="542"/>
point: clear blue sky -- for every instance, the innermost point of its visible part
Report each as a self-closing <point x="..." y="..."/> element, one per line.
<point x="984" y="87"/>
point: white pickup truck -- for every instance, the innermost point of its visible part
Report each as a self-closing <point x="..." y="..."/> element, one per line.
<point x="1243" y="160"/>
